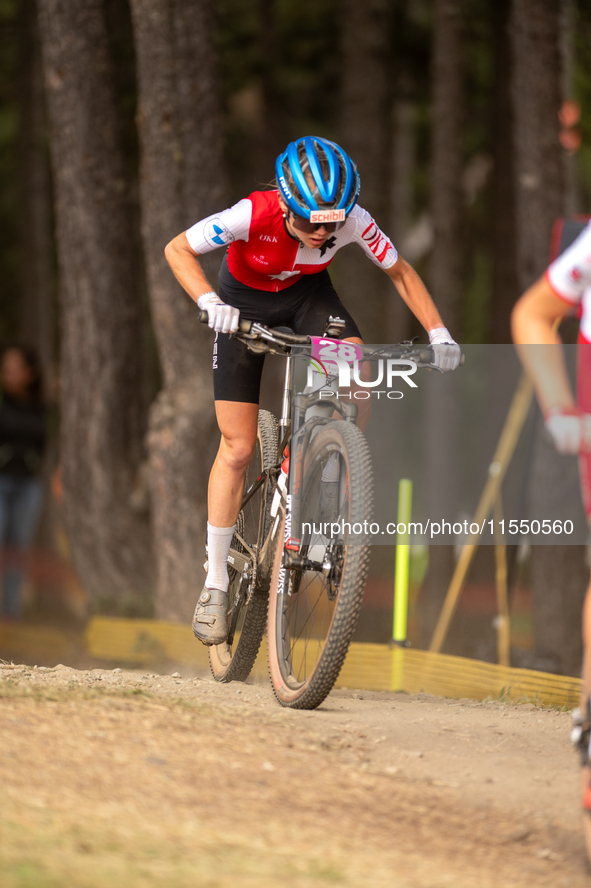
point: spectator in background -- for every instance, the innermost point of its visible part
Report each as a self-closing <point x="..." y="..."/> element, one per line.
<point x="22" y="439"/>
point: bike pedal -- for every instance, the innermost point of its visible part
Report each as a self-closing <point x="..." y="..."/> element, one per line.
<point x="580" y="734"/>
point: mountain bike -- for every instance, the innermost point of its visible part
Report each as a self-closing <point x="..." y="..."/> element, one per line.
<point x="295" y="564"/>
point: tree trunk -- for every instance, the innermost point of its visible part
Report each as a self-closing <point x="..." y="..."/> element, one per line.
<point x="37" y="314"/>
<point x="568" y="24"/>
<point x="535" y="32"/>
<point x="446" y="162"/>
<point x="101" y="424"/>
<point x="271" y="135"/>
<point x="505" y="286"/>
<point x="538" y="158"/>
<point x="442" y="404"/>
<point x="181" y="182"/>
<point x="404" y="114"/>
<point x="364" y="127"/>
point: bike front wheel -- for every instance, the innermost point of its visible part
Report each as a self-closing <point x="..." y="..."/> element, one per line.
<point x="234" y="661"/>
<point x="313" y="611"/>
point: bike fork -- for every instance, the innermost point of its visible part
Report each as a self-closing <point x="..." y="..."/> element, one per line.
<point x="285" y="418"/>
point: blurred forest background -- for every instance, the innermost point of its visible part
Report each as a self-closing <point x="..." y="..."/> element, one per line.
<point x="122" y="122"/>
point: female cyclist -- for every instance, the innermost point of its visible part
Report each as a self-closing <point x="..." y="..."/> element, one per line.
<point x="280" y="244"/>
<point x="566" y="284"/>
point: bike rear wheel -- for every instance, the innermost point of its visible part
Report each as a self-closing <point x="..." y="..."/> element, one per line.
<point x="312" y="613"/>
<point x="233" y="662"/>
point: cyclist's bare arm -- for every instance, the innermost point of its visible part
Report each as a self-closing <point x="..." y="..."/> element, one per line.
<point x="185" y="266"/>
<point x="415" y="294"/>
<point x="534" y="321"/>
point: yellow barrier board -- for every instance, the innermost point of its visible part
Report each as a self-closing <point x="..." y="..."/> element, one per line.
<point x="147" y="642"/>
<point x="20" y="643"/>
<point x="143" y="641"/>
<point x="372" y="667"/>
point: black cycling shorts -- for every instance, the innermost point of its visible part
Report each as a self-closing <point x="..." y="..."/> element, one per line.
<point x="305" y="307"/>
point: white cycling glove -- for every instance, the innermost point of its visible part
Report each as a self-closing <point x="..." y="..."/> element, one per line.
<point x="570" y="429"/>
<point x="446" y="352"/>
<point x="221" y="317"/>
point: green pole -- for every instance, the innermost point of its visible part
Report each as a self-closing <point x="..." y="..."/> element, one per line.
<point x="401" y="575"/>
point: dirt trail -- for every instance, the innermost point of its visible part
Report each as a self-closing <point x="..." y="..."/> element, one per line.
<point x="112" y="779"/>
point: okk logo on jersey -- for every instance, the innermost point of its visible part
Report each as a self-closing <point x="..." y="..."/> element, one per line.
<point x="217" y="234"/>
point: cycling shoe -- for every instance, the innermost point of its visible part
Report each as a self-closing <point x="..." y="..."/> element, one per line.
<point x="210" y="621"/>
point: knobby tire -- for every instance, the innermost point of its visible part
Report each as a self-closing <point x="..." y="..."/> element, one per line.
<point x="312" y="617"/>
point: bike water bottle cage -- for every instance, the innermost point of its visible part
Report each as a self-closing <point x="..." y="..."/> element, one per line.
<point x="318" y="181"/>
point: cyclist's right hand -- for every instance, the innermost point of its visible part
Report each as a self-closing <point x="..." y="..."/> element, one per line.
<point x="221" y="317"/>
<point x="570" y="429"/>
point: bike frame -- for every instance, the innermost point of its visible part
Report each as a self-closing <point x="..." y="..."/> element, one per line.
<point x="255" y="564"/>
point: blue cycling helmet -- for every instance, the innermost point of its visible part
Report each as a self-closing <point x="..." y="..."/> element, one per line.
<point x="315" y="175"/>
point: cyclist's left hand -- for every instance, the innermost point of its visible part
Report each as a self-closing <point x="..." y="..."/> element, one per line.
<point x="570" y="429"/>
<point x="446" y="352"/>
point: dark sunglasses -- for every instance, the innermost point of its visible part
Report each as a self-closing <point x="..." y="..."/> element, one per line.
<point x="306" y="227"/>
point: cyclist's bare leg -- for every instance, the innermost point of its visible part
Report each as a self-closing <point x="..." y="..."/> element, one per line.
<point x="237" y="422"/>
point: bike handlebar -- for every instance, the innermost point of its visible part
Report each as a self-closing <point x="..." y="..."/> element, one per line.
<point x="422" y="355"/>
<point x="264" y="333"/>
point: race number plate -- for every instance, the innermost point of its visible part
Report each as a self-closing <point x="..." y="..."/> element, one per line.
<point x="326" y="350"/>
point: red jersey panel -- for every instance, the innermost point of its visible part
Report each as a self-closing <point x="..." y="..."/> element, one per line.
<point x="262" y="255"/>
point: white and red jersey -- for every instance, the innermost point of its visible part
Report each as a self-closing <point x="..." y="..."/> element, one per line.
<point x="261" y="253"/>
<point x="570" y="278"/>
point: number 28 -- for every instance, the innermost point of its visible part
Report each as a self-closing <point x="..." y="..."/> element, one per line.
<point x="330" y="349"/>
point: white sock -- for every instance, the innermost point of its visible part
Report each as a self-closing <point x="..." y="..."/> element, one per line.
<point x="330" y="472"/>
<point x="219" y="540"/>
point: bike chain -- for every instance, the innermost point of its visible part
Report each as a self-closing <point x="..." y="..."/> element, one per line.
<point x="253" y="572"/>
